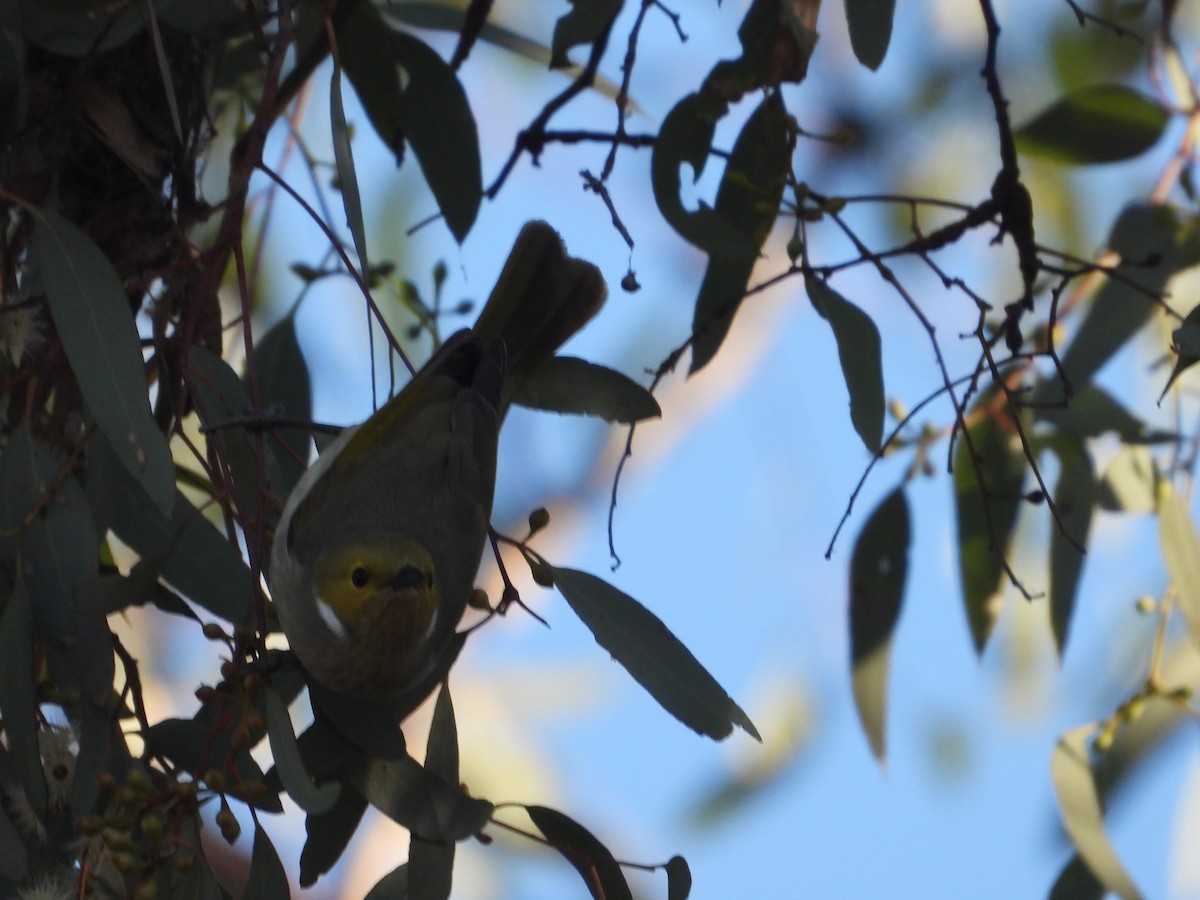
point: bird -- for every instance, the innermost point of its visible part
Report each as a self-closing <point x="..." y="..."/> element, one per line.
<point x="376" y="550"/>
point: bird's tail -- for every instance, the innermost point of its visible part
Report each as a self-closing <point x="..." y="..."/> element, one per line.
<point x="543" y="296"/>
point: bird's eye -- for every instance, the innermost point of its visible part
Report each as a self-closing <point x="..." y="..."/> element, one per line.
<point x="359" y="577"/>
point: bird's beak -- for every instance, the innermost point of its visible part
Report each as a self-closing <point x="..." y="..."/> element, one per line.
<point x="406" y="577"/>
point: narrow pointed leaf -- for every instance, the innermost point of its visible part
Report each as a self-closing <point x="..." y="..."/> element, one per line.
<point x="657" y="660"/>
<point x="18" y="703"/>
<point x="986" y="511"/>
<point x="1092" y="411"/>
<point x="1181" y="551"/>
<point x="284" y="385"/>
<point x="1185" y="341"/>
<point x="594" y="861"/>
<point x="328" y="835"/>
<point x="1098" y="124"/>
<point x="860" y="355"/>
<point x="420" y="801"/>
<point x="1074" y="500"/>
<point x="430" y="869"/>
<point x="748" y="199"/>
<point x="1079" y="805"/>
<point x="565" y="384"/>
<point x="93" y="319"/>
<point x="343" y="159"/>
<point x="313" y="799"/>
<point x="870" y="24"/>
<point x="1129" y="482"/>
<point x="878" y="572"/>
<point x="267" y="877"/>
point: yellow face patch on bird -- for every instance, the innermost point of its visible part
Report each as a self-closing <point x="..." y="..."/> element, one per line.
<point x="368" y="581"/>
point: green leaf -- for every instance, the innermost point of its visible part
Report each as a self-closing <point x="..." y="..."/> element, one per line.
<point x="1185" y="341"/>
<point x="679" y="878"/>
<point x="1181" y="552"/>
<point x="1074" y="501"/>
<point x="412" y="95"/>
<point x="1098" y="124"/>
<point x="18" y="702"/>
<point x="430" y="869"/>
<point x="986" y="511"/>
<point x="686" y="137"/>
<point x="328" y="835"/>
<point x="870" y="24"/>
<point x="343" y="159"/>
<point x="92" y="316"/>
<point x="441" y="750"/>
<point x="55" y="536"/>
<point x="313" y="799"/>
<point x="14" y="864"/>
<point x="860" y="355"/>
<point x="593" y="861"/>
<point x="586" y="21"/>
<point x="196" y="558"/>
<point x="1128" y="484"/>
<point x="267" y="877"/>
<point x="1071" y="772"/>
<point x="284" y="384"/>
<point x="1076" y="882"/>
<point x="1092" y="411"/>
<point x="1153" y="246"/>
<point x="878" y="573"/>
<point x="777" y="41"/>
<point x="420" y="801"/>
<point x="748" y="199"/>
<point x="657" y="660"/>
<point x="392" y="886"/>
<point x="565" y="384"/>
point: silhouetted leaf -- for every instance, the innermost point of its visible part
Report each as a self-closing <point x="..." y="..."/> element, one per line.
<point x="284" y="384"/>
<point x="93" y="319"/>
<point x="1181" y="551"/>
<point x="420" y="801"/>
<point x="586" y="21"/>
<point x="1074" y="500"/>
<point x="1097" y="124"/>
<point x="412" y="95"/>
<point x="1128" y="484"/>
<point x="987" y="510"/>
<point x="13" y="863"/>
<point x="267" y="877"/>
<point x="18" y="703"/>
<point x="1185" y="341"/>
<point x="565" y="384"/>
<point x="1092" y="411"/>
<point x="860" y="355"/>
<point x="313" y="799"/>
<point x="392" y="886"/>
<point x="343" y="159"/>
<point x="640" y="642"/>
<point x="1071" y="771"/>
<point x="870" y="29"/>
<point x="679" y="878"/>
<point x="593" y="861"/>
<point x="430" y="869"/>
<point x="878" y="572"/>
<point x="328" y="835"/>
<point x="748" y="199"/>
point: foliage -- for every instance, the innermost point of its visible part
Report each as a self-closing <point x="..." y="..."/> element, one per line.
<point x="141" y="468"/>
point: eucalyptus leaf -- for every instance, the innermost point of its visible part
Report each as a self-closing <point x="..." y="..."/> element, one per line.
<point x="1079" y="805"/>
<point x="14" y="864"/>
<point x="584" y="23"/>
<point x="870" y="29"/>
<point x="392" y="886"/>
<point x="878" y="573"/>
<point x="411" y="95"/>
<point x="284" y="384"/>
<point x="1092" y="411"/>
<point x="1097" y="124"/>
<point x="679" y="878"/>
<point x="987" y="496"/>
<point x="92" y="316"/>
<point x="748" y="199"/>
<point x="1074" y="501"/>
<point x="430" y="869"/>
<point x="565" y="384"/>
<point x="18" y="702"/>
<point x="267" y="877"/>
<point x="420" y="801"/>
<point x="656" y="659"/>
<point x="1129" y="482"/>
<point x="1185" y="341"/>
<point x="861" y="357"/>
<point x="343" y="159"/>
<point x="313" y="799"/>
<point x="1181" y="552"/>
<point x="328" y="836"/>
<point x="594" y="862"/>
